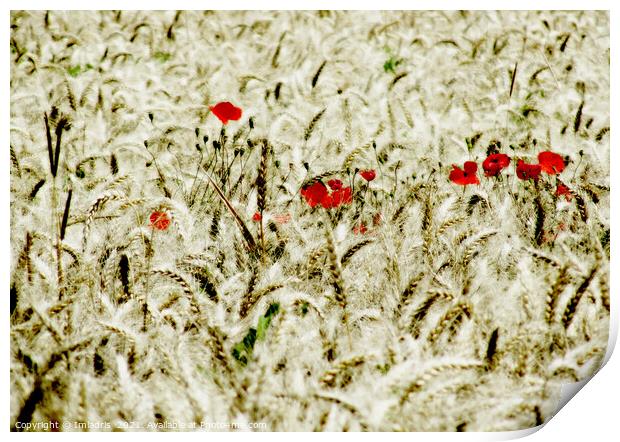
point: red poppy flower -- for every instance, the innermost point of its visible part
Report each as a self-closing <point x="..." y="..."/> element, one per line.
<point x="550" y="162"/>
<point x="159" y="220"/>
<point x="464" y="176"/>
<point x="314" y="193"/>
<point x="337" y="198"/>
<point x="563" y="190"/>
<point x="226" y="111"/>
<point x="528" y="171"/>
<point x="360" y="229"/>
<point x="335" y="184"/>
<point x="256" y="217"/>
<point x="368" y="174"/>
<point x="494" y="164"/>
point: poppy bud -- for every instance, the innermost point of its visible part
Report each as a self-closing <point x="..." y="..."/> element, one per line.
<point x="197" y="130"/>
<point x="216" y="145"/>
<point x="151" y="116"/>
<point x="198" y="148"/>
<point x="251" y="122"/>
<point x="146" y="144"/>
<point x="205" y="139"/>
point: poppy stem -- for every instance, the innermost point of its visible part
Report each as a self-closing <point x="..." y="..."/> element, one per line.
<point x="576" y="168"/>
<point x="364" y="198"/>
<point x="149" y="257"/>
<point x="191" y="191"/>
<point x="374" y="145"/>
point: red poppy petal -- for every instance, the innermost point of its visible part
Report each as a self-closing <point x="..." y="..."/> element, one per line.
<point x="327" y="202"/>
<point x="314" y="193"/>
<point x="551" y="162"/>
<point x="457" y="176"/>
<point x="335" y="184"/>
<point x="226" y="111"/>
<point x="528" y="171"/>
<point x="472" y="179"/>
<point x="347" y="196"/>
<point x="470" y="167"/>
<point x="368" y="175"/>
<point x="494" y="164"/>
<point x="503" y="160"/>
<point x="159" y="220"/>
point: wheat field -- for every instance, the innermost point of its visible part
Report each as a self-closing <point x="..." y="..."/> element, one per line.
<point x="172" y="270"/>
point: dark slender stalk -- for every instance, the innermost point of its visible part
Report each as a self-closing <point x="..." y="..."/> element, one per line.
<point x="191" y="191"/>
<point x="65" y="215"/>
<point x="244" y="229"/>
<point x="514" y="76"/>
<point x="59" y="128"/>
<point x="48" y="136"/>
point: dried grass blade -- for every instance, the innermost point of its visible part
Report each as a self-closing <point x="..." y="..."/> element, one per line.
<point x="249" y="239"/>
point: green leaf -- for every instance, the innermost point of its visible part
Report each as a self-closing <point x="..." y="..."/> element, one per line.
<point x="304" y="308"/>
<point x="469" y="144"/>
<point x="250" y="340"/>
<point x="388" y="66"/>
<point x="74" y="71"/>
<point x="240" y="354"/>
<point x="261" y="328"/>
<point x="272" y="310"/>
<point x="391" y="63"/>
<point x="162" y="56"/>
<point x="242" y="351"/>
